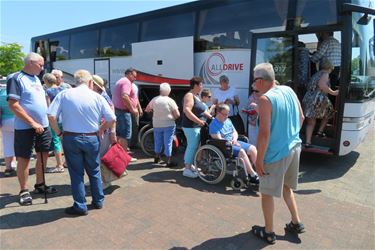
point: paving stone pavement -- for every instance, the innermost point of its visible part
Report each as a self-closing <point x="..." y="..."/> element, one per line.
<point x="157" y="208"/>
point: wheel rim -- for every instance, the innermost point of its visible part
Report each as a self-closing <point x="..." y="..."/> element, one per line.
<point x="210" y="164"/>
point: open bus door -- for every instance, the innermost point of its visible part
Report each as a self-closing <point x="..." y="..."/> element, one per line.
<point x="281" y="50"/>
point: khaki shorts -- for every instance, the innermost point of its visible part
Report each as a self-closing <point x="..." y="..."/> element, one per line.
<point x="280" y="173"/>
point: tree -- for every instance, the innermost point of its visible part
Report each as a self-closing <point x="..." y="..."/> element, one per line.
<point x="11" y="58"/>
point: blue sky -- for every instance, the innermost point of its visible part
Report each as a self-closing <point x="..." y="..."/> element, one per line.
<point x="22" y="20"/>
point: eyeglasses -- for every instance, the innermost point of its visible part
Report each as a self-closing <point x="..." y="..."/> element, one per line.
<point x="257" y="78"/>
<point x="224" y="114"/>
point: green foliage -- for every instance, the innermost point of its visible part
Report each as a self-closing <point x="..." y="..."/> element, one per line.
<point x="11" y="58"/>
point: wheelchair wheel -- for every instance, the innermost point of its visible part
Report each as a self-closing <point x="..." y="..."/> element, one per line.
<point x="147" y="142"/>
<point x="237" y="184"/>
<point x="142" y="131"/>
<point x="210" y="163"/>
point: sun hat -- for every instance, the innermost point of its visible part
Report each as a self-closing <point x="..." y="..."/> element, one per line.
<point x="98" y="81"/>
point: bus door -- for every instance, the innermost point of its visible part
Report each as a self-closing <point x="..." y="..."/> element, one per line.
<point x="102" y="69"/>
<point x="283" y="52"/>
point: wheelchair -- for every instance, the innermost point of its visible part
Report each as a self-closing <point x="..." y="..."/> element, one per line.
<point x="214" y="160"/>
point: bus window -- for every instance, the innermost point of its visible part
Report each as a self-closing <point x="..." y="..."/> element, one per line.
<point x="362" y="84"/>
<point x="117" y="40"/>
<point x="168" y="27"/>
<point x="217" y="29"/>
<point x="307" y="9"/>
<point x="84" y="44"/>
<point x="59" y="47"/>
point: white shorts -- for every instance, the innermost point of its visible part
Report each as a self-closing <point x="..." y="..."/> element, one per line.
<point x="7" y="130"/>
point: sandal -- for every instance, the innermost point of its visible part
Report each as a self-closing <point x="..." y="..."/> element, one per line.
<point x="9" y="172"/>
<point x="295" y="228"/>
<point x="40" y="188"/>
<point x="261" y="233"/>
<point x="54" y="170"/>
<point x="321" y="134"/>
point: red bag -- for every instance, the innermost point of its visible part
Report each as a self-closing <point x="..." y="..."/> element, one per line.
<point x="116" y="159"/>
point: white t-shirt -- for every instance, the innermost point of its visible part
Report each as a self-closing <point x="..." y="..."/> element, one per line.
<point x="222" y="95"/>
<point x="163" y="106"/>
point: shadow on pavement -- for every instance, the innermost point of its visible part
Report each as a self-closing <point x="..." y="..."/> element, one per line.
<point x="6" y="198"/>
<point x="241" y="241"/>
<point x="318" y="167"/>
<point x="28" y="219"/>
<point x="175" y="177"/>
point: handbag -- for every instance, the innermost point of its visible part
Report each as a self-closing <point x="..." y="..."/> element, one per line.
<point x="116" y="159"/>
<point x="237" y="121"/>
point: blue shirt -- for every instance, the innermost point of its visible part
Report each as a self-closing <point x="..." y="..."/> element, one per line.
<point x="225" y="129"/>
<point x="81" y="109"/>
<point x="285" y="123"/>
<point x="28" y="91"/>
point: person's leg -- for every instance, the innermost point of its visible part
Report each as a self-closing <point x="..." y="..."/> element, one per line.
<point x="39" y="168"/>
<point x="322" y="125"/>
<point x="57" y="149"/>
<point x="7" y="130"/>
<point x="121" y="129"/>
<point x="168" y="136"/>
<point x="310" y="125"/>
<point x="75" y="159"/>
<point x="42" y="145"/>
<point x="168" y="143"/>
<point x="23" y="145"/>
<point x="268" y="208"/>
<point x="23" y="171"/>
<point x="291" y="203"/>
<point x="158" y="141"/>
<point x="92" y="165"/>
<point x="243" y="156"/>
<point x="193" y="137"/>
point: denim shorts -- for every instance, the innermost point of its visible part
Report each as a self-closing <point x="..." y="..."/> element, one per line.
<point x="26" y="139"/>
<point x="236" y="149"/>
<point x="123" y="124"/>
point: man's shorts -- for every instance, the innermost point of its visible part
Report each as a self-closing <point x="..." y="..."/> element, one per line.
<point x="25" y="140"/>
<point x="236" y="149"/>
<point x="123" y="124"/>
<point x="280" y="173"/>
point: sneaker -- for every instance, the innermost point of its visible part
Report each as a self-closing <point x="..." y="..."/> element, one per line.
<point x="25" y="198"/>
<point x="189" y="173"/>
<point x="171" y="164"/>
<point x="133" y="159"/>
<point x="254" y="180"/>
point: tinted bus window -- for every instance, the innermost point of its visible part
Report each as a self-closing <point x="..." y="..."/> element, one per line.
<point x="84" y="44"/>
<point x="218" y="29"/>
<point x="117" y="40"/>
<point x="307" y="12"/>
<point x="59" y="47"/>
<point x="168" y="27"/>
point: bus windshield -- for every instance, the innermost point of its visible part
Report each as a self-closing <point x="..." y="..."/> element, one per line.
<point x="362" y="86"/>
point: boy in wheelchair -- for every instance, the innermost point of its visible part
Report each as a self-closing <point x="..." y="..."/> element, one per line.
<point x="222" y="128"/>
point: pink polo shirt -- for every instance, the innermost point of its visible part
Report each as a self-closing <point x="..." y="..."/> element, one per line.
<point x="124" y="86"/>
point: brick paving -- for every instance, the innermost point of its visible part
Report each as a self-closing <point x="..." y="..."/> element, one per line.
<point x="158" y="208"/>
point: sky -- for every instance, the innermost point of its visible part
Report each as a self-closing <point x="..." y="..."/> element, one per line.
<point x="22" y="20"/>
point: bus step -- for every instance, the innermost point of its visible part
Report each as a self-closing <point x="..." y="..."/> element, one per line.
<point x="318" y="149"/>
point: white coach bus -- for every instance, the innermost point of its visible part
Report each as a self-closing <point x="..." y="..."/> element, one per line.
<point x="214" y="37"/>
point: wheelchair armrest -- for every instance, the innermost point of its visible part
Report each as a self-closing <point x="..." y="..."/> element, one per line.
<point x="243" y="138"/>
<point x="223" y="145"/>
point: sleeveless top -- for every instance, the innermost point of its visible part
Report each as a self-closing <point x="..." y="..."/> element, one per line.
<point x="198" y="110"/>
<point x="285" y="123"/>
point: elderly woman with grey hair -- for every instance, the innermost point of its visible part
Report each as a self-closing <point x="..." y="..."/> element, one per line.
<point x="165" y="112"/>
<point x="225" y="94"/>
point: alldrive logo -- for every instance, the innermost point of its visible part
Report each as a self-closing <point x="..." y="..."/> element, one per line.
<point x="216" y="65"/>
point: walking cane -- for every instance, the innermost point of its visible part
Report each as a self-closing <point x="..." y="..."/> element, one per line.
<point x="44" y="179"/>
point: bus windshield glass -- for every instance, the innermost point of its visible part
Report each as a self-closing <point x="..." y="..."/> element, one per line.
<point x="362" y="86"/>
